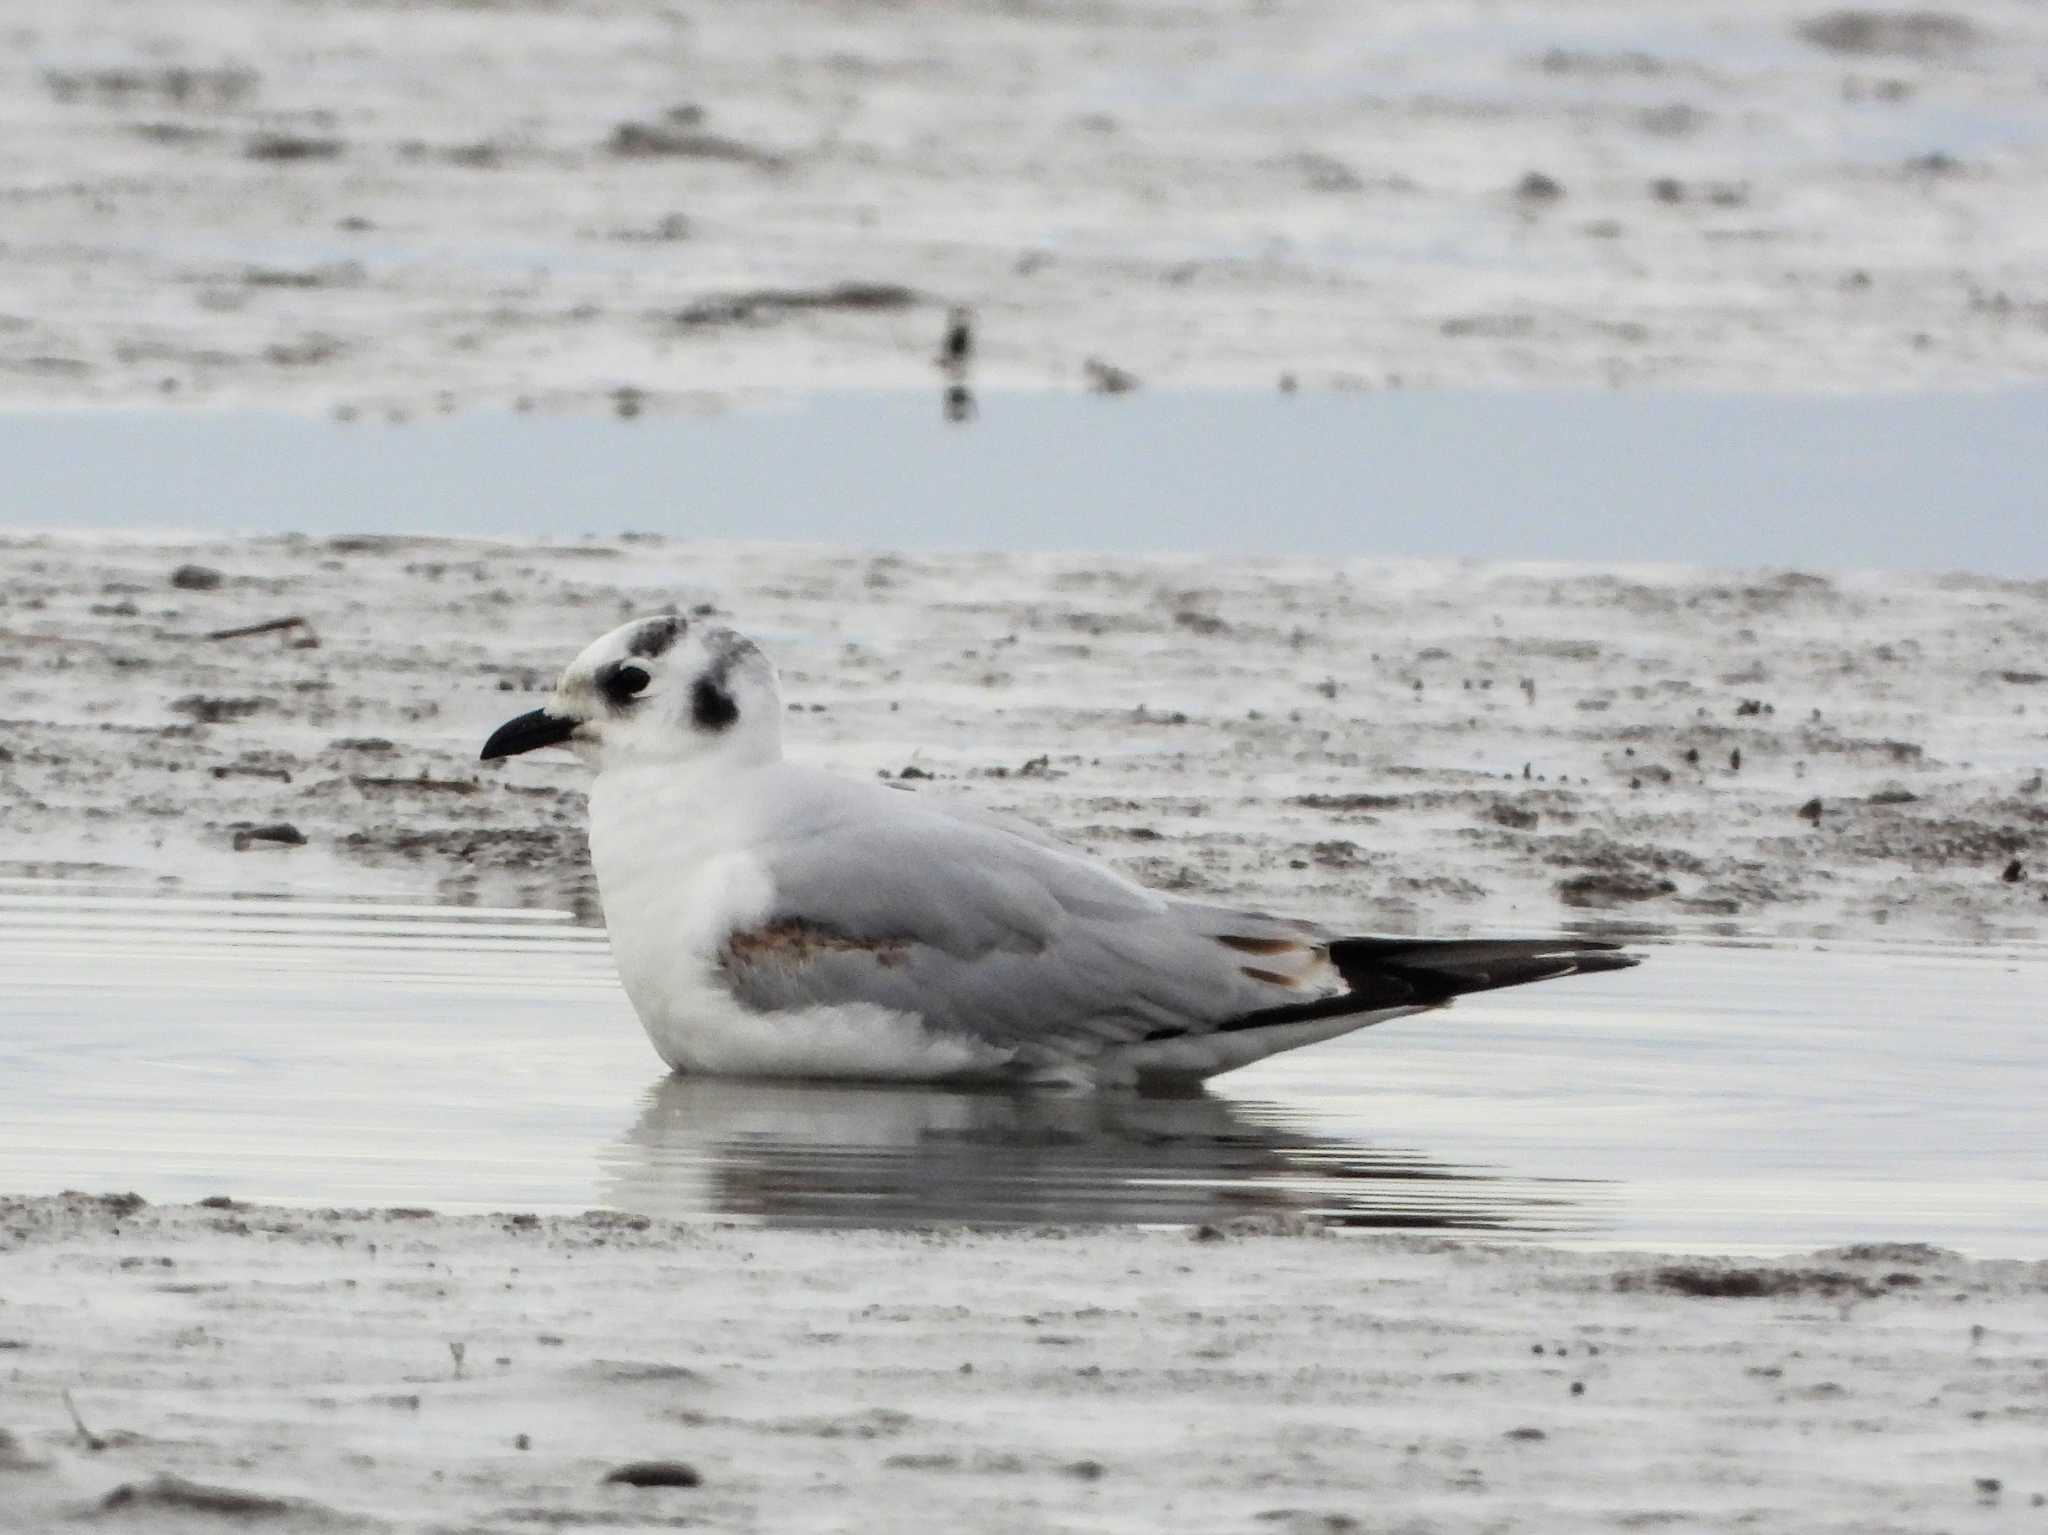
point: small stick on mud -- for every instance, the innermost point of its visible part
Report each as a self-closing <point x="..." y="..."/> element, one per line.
<point x="92" y="1440"/>
<point x="270" y="626"/>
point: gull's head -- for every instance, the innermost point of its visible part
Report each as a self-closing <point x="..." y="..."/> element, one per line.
<point x="657" y="690"/>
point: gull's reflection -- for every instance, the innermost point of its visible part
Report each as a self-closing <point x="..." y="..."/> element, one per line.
<point x="827" y="1154"/>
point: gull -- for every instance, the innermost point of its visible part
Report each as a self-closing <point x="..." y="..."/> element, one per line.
<point x="771" y="919"/>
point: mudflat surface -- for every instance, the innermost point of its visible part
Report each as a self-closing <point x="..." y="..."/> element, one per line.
<point x="394" y="209"/>
<point x="1396" y="745"/>
<point x="253" y="1367"/>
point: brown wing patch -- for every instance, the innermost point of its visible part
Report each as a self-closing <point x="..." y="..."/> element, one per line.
<point x="791" y="941"/>
<point x="1263" y="945"/>
<point x="1270" y="977"/>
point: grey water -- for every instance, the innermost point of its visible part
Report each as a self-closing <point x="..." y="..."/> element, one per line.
<point x="1726" y="1095"/>
<point x="1946" y="481"/>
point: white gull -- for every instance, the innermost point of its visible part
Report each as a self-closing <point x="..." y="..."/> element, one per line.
<point x="770" y="919"/>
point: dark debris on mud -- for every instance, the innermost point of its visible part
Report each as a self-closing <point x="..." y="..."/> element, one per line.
<point x="1731" y="1282"/>
<point x="758" y="306"/>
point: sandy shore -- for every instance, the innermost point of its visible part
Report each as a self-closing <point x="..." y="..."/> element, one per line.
<point x="381" y="211"/>
<point x="578" y="204"/>
<point x="321" y="1370"/>
<point x="1399" y="745"/>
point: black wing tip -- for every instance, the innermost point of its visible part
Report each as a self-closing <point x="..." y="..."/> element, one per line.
<point x="1593" y="958"/>
<point x="1386" y="973"/>
<point x="1435" y="970"/>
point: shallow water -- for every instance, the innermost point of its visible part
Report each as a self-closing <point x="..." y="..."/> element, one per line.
<point x="1829" y="482"/>
<point x="1724" y="1095"/>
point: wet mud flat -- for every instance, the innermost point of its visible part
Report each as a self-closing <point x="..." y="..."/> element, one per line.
<point x="1450" y="745"/>
<point x="224" y="1365"/>
<point x="388" y="211"/>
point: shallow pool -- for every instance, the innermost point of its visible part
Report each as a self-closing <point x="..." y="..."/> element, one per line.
<point x="1724" y="1095"/>
<point x="1820" y="481"/>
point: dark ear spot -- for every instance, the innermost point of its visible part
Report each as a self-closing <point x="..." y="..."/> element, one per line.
<point x="711" y="706"/>
<point x="657" y="636"/>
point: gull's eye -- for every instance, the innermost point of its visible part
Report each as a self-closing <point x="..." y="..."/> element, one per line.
<point x="622" y="682"/>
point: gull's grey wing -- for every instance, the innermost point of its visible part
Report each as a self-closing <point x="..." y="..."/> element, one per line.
<point x="885" y="899"/>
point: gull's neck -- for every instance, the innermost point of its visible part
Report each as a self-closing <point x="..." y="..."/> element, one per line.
<point x="699" y="781"/>
<point x="716" y="758"/>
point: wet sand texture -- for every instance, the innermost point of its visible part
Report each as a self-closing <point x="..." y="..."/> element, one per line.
<point x="581" y="205"/>
<point x="314" y="1370"/>
<point x="1393" y="745"/>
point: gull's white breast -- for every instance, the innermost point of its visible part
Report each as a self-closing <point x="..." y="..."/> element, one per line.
<point x="677" y="877"/>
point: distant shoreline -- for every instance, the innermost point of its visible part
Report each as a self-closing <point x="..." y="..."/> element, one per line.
<point x="577" y="207"/>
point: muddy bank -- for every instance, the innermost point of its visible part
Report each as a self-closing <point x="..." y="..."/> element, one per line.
<point x="1399" y="745"/>
<point x="388" y="211"/>
<point x="393" y="1369"/>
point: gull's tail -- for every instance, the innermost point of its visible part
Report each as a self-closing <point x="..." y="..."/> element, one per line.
<point x="1381" y="973"/>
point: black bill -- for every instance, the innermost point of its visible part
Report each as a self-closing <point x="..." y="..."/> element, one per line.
<point x="528" y="733"/>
